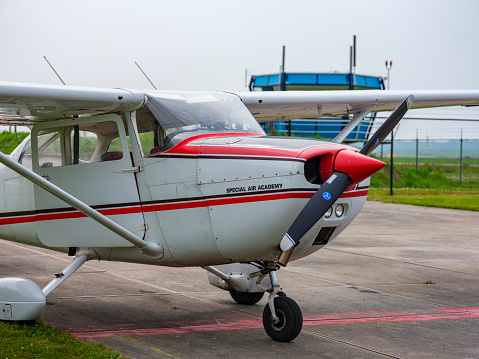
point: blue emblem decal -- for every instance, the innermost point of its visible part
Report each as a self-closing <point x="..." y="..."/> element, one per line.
<point x="327" y="196"/>
<point x="377" y="141"/>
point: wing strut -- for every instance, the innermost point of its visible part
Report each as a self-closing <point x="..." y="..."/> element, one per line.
<point x="351" y="125"/>
<point x="149" y="249"/>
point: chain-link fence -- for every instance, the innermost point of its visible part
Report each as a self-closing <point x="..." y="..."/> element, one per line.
<point x="442" y="142"/>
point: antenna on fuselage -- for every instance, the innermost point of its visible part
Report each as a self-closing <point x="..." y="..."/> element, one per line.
<point x="143" y="72"/>
<point x="56" y="73"/>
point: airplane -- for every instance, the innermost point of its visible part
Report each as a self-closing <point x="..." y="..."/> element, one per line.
<point x="181" y="179"/>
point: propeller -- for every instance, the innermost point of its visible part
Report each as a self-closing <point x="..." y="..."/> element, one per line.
<point x="387" y="126"/>
<point x="349" y="167"/>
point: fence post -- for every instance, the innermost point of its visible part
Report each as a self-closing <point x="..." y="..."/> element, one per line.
<point x="271" y="127"/>
<point x="460" y="162"/>
<point x="417" y="148"/>
<point x="391" y="173"/>
<point x="289" y="128"/>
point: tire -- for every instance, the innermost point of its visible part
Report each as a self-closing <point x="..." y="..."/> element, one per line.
<point x="290" y="320"/>
<point x="246" y="298"/>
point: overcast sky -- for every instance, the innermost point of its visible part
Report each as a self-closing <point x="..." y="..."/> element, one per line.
<point x="208" y="44"/>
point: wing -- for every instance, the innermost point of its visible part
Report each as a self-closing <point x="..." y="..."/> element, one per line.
<point x="303" y="104"/>
<point x="25" y="104"/>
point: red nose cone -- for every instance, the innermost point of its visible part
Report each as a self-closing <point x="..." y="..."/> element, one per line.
<point x="357" y="166"/>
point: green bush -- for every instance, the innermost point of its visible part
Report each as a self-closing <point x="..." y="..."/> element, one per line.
<point x="10" y="140"/>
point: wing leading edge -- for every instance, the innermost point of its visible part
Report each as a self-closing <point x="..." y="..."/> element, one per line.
<point x="26" y="104"/>
<point x="297" y="104"/>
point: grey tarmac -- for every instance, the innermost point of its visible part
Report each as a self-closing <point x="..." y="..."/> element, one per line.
<point x="365" y="295"/>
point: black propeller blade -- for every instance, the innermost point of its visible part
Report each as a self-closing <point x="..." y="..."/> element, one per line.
<point x="316" y="208"/>
<point x="334" y="187"/>
<point x="387" y="126"/>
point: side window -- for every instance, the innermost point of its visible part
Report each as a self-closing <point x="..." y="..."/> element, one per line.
<point x="151" y="134"/>
<point x="78" y="144"/>
<point x="26" y="156"/>
<point x="114" y="151"/>
<point x="50" y="148"/>
<point x="85" y="143"/>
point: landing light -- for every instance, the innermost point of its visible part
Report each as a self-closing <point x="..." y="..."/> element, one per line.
<point x="329" y="212"/>
<point x="339" y="211"/>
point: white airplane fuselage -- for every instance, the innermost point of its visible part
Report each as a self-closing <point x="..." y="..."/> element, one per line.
<point x="211" y="199"/>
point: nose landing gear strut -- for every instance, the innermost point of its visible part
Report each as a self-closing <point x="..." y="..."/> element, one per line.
<point x="282" y="317"/>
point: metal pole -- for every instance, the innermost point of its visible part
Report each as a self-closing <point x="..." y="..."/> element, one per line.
<point x="354" y="54"/>
<point x="388" y="79"/>
<point x="284" y="56"/>
<point x="391" y="170"/>
<point x="417" y="148"/>
<point x="351" y="75"/>
<point x="460" y="162"/>
<point x="56" y="73"/>
<point x="389" y="64"/>
<point x="289" y="128"/>
<point x="354" y="61"/>
<point x="143" y="72"/>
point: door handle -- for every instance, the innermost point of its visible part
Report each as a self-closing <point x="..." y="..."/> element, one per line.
<point x="129" y="170"/>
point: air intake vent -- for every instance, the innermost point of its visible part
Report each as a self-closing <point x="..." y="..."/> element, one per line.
<point x="324" y="236"/>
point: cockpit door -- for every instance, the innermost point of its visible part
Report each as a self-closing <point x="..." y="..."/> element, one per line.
<point x="90" y="159"/>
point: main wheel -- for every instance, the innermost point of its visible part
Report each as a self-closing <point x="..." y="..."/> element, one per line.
<point x="290" y="320"/>
<point x="245" y="297"/>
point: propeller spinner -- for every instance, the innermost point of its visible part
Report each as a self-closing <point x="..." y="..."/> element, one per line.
<point x="349" y="167"/>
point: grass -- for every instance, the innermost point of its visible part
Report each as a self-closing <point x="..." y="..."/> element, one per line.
<point x="431" y="185"/>
<point x="10" y="140"/>
<point x="42" y="341"/>
<point x="437" y="160"/>
<point x="427" y="198"/>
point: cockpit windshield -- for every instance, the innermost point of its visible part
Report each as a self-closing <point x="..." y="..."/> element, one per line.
<point x="171" y="117"/>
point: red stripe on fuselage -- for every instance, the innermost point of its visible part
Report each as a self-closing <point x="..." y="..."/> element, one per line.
<point x="170" y="206"/>
<point x="354" y="194"/>
<point x="68" y="215"/>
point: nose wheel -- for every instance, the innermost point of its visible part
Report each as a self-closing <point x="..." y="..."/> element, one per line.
<point x="288" y="322"/>
<point x="282" y="317"/>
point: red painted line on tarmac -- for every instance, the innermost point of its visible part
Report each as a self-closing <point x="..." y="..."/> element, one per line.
<point x="215" y="325"/>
